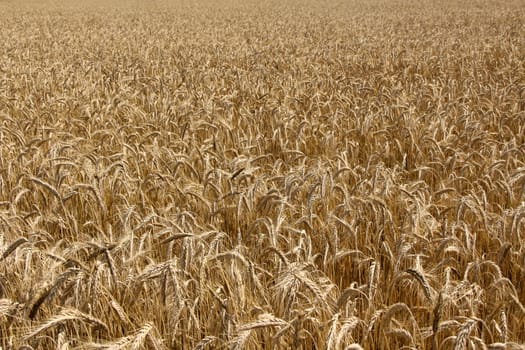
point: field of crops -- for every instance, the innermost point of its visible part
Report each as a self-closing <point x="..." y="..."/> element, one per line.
<point x="262" y="174"/>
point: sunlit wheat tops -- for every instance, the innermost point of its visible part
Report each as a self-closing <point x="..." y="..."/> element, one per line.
<point x="262" y="175"/>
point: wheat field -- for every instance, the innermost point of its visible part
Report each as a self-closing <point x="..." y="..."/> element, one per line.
<point x="262" y="174"/>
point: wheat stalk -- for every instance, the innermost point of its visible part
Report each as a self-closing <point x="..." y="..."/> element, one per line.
<point x="63" y="317"/>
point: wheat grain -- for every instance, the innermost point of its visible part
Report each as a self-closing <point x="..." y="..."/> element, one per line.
<point x="352" y="174"/>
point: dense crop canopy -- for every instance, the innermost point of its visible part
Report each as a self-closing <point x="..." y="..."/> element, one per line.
<point x="262" y="175"/>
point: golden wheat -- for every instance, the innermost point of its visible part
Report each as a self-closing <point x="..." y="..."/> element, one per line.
<point x="262" y="175"/>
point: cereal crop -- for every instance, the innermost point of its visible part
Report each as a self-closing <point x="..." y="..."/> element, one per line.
<point x="290" y="174"/>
